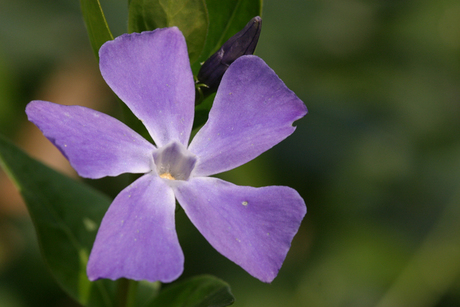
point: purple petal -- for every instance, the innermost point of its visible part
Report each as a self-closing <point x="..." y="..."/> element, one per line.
<point x="137" y="237"/>
<point x="253" y="227"/>
<point x="253" y="111"/>
<point x="96" y="144"/>
<point x="151" y="73"/>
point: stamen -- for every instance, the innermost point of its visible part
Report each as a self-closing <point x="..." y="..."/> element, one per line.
<point x="167" y="176"/>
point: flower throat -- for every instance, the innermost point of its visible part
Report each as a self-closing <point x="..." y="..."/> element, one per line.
<point x="174" y="162"/>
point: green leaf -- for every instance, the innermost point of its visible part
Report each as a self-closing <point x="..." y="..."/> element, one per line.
<point x="96" y="25"/>
<point x="66" y="215"/>
<point x="190" y="16"/>
<point x="199" y="291"/>
<point x="226" y="18"/>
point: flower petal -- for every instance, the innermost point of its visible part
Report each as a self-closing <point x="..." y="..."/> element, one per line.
<point x="151" y="73"/>
<point x="253" y="111"/>
<point x="253" y="227"/>
<point x="96" y="144"/>
<point x="137" y="237"/>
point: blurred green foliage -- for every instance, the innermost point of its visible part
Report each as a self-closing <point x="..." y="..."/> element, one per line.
<point x="377" y="159"/>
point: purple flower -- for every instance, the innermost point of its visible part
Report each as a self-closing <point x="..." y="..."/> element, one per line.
<point x="253" y="111"/>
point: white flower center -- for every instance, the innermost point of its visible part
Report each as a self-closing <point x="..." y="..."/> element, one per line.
<point x="174" y="162"/>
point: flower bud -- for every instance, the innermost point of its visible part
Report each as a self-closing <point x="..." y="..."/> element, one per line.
<point x="242" y="43"/>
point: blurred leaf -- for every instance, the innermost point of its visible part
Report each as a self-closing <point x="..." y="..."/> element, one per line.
<point x="226" y="18"/>
<point x="202" y="111"/>
<point x="199" y="291"/>
<point x="66" y="215"/>
<point x="146" y="291"/>
<point x="190" y="16"/>
<point x="96" y="25"/>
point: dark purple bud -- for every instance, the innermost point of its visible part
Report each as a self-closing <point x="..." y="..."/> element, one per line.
<point x="242" y="43"/>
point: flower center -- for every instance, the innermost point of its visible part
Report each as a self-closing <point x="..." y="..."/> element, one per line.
<point x="167" y="176"/>
<point x="174" y="162"/>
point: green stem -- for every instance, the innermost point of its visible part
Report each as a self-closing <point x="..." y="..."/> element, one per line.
<point x="126" y="292"/>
